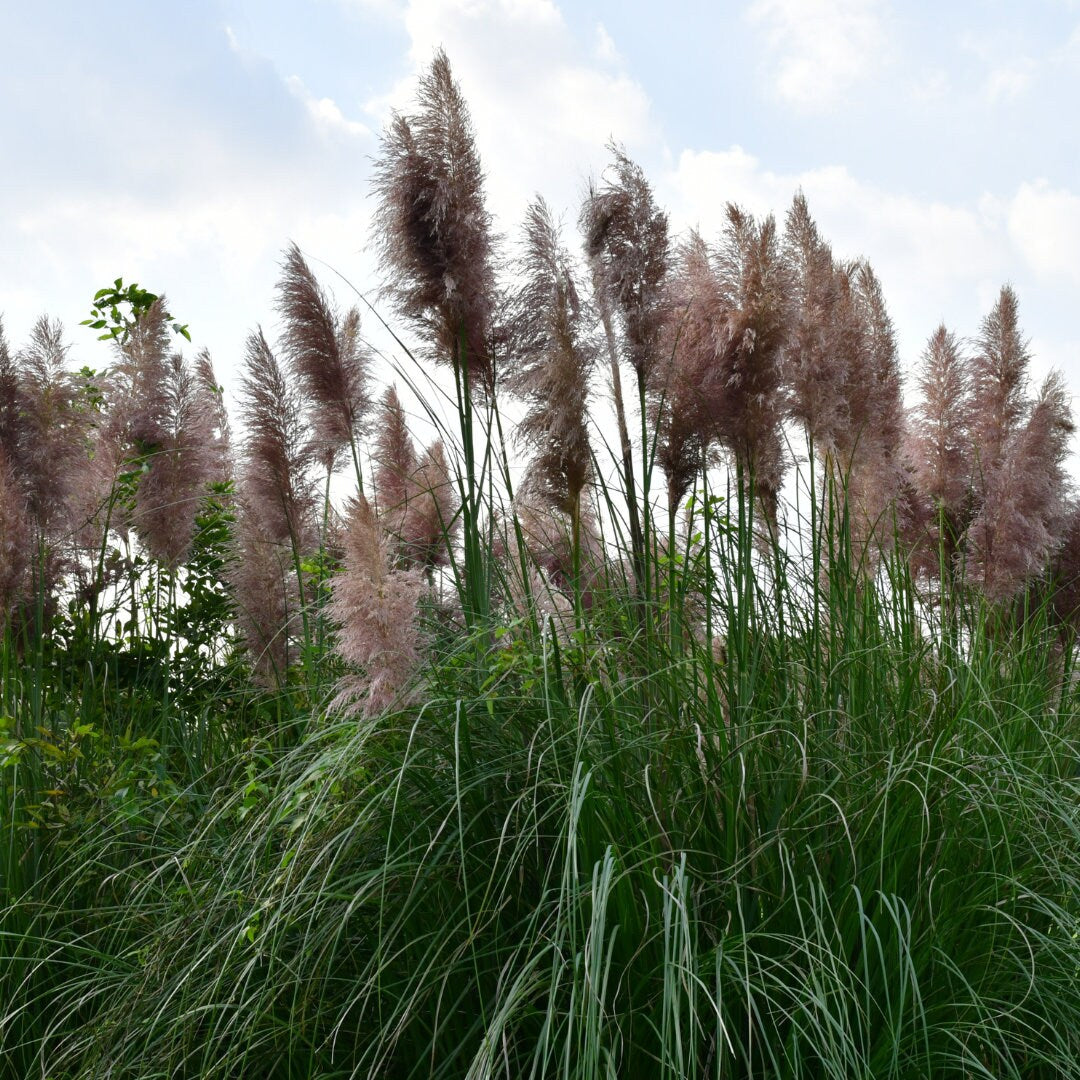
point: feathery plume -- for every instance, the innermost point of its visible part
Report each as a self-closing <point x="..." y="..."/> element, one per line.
<point x="395" y="459"/>
<point x="999" y="372"/>
<point x="939" y="448"/>
<point x="54" y="427"/>
<point x="1064" y="577"/>
<point x="815" y="371"/>
<point x="555" y="360"/>
<point x="277" y="455"/>
<point x="685" y="387"/>
<point x="184" y="462"/>
<point x="626" y="239"/>
<point x="874" y="434"/>
<point x="376" y="608"/>
<point x="10" y="422"/>
<point x="1024" y="512"/>
<point x="327" y="357"/>
<point x="15" y="543"/>
<point x="263" y="581"/>
<point x="433" y="227"/>
<point x="755" y="285"/>
<point x="212" y="401"/>
<point x="430" y="520"/>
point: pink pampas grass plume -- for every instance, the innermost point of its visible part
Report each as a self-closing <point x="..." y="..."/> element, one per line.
<point x="686" y="387"/>
<point x="263" y="581"/>
<point x="10" y="409"/>
<point x="940" y="451"/>
<point x="395" y="459"/>
<point x="212" y="402"/>
<point x="1024" y="513"/>
<point x="1064" y="578"/>
<point x="999" y="369"/>
<point x="327" y="357"/>
<point x="433" y="227"/>
<point x="54" y="427"/>
<point x="751" y="405"/>
<point x="430" y="521"/>
<point x="815" y="371"/>
<point x="376" y="609"/>
<point x="555" y="358"/>
<point x="277" y="455"/>
<point x="179" y="470"/>
<point x="16" y="543"/>
<point x="626" y="240"/>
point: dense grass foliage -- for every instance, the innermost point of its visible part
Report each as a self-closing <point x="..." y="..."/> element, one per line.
<point x="841" y="845"/>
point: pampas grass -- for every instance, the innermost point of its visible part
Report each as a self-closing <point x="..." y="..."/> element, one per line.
<point x="464" y="778"/>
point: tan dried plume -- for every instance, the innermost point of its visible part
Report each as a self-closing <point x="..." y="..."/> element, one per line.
<point x="433" y="228"/>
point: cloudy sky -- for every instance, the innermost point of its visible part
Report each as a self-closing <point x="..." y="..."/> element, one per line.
<point x="183" y="146"/>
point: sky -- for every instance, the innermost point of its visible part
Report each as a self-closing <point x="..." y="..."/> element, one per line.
<point x="183" y="146"/>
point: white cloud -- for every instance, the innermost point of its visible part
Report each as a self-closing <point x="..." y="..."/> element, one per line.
<point x="1044" y="223"/>
<point x="1008" y="81"/>
<point x="606" y="50"/>
<point x="821" y="48"/>
<point x="325" y="112"/>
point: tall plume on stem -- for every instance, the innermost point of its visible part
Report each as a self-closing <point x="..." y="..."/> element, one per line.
<point x="277" y="454"/>
<point x="626" y="237"/>
<point x="755" y="285"/>
<point x="376" y="607"/>
<point x="999" y="370"/>
<point x="212" y="401"/>
<point x="430" y="521"/>
<point x="433" y="227"/>
<point x="395" y="458"/>
<point x="16" y="542"/>
<point x="874" y="434"/>
<point x="816" y="373"/>
<point x="555" y="359"/>
<point x="1024" y="513"/>
<point x="686" y="388"/>
<point x="328" y="359"/>
<point x="277" y="501"/>
<point x="181" y="466"/>
<point x="628" y="248"/>
<point x="54" y="428"/>
<point x="844" y="377"/>
<point x="940" y="449"/>
<point x="10" y="420"/>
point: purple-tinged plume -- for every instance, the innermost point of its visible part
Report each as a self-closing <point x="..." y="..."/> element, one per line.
<point x="555" y="358"/>
<point x="433" y="227"/>
<point x="626" y="240"/>
<point x="376" y="609"/>
<point x="327" y="357"/>
<point x="1024" y="512"/>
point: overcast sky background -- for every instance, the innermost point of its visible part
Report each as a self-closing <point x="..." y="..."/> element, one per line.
<point x="183" y="146"/>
